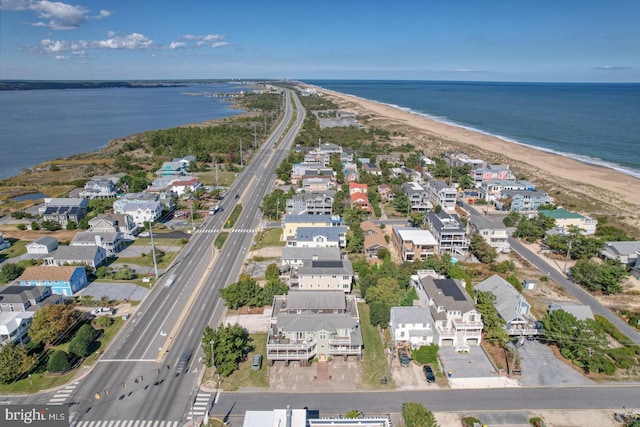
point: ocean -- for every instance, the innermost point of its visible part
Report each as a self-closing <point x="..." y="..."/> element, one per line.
<point x="41" y="125"/>
<point x="593" y="123"/>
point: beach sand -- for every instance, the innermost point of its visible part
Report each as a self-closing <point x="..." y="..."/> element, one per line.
<point x="611" y="193"/>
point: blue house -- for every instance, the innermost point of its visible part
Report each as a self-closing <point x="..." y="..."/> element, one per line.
<point x="66" y="280"/>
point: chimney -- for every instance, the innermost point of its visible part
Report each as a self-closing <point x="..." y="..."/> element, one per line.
<point x="289" y="411"/>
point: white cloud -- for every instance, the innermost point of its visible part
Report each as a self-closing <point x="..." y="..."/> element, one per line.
<point x="15" y="4"/>
<point x="59" y="16"/>
<point x="103" y="14"/>
<point x="132" y="41"/>
<point x="612" y="68"/>
<point x="177" y="45"/>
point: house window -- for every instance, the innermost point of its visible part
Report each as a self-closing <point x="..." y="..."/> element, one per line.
<point x="472" y="318"/>
<point x="402" y="334"/>
<point x="323" y="335"/>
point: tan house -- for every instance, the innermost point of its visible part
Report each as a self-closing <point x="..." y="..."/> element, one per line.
<point x="291" y="223"/>
<point x="413" y="243"/>
<point x="374" y="239"/>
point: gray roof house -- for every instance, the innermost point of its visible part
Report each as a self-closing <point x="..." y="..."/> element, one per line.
<point x="493" y="232"/>
<point x="115" y="223"/>
<point x="26" y="298"/>
<point x="43" y="245"/>
<point x="322" y="275"/>
<point x="297" y="256"/>
<point x="419" y="197"/>
<point x="306" y="325"/>
<point x="312" y="237"/>
<point x="581" y="312"/>
<point x="111" y="242"/>
<point x="511" y="305"/>
<point x="626" y="253"/>
<point x="449" y="232"/>
<point x="99" y="188"/>
<point x="64" y="210"/>
<point x="313" y="203"/>
<point x="14" y="327"/>
<point x="92" y="256"/>
<point x="442" y="194"/>
<point x="456" y="320"/>
<point x="411" y="326"/>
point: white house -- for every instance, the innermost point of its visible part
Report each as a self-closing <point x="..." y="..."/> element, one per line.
<point x="411" y="326"/>
<point x="142" y="212"/>
<point x="43" y="245"/>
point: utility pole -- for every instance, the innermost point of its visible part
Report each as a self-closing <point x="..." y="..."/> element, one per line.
<point x="566" y="260"/>
<point x="241" y="154"/>
<point x="153" y="250"/>
<point x="217" y="173"/>
<point x="255" y="139"/>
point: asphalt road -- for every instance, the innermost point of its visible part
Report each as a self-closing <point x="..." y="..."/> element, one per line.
<point x="136" y="377"/>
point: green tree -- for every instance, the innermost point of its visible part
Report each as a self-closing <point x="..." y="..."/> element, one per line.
<point x="50" y="322"/>
<point x="82" y="340"/>
<point x="379" y="314"/>
<point x="230" y="347"/>
<point x="10" y="272"/>
<point x="124" y="273"/>
<point x="512" y="219"/>
<point x="271" y="289"/>
<point x="58" y="362"/>
<point x="353" y="414"/>
<point x="245" y="292"/>
<point x="14" y="360"/>
<point x="272" y="273"/>
<point x="72" y="225"/>
<point x="481" y="249"/>
<point x="50" y="225"/>
<point x="603" y="277"/>
<point x="401" y="203"/>
<point x="494" y="325"/>
<point x="355" y="238"/>
<point x="416" y="415"/>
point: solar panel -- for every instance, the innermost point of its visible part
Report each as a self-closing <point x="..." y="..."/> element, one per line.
<point x="450" y="288"/>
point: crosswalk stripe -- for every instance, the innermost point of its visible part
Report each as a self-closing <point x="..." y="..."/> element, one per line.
<point x="59" y="399"/>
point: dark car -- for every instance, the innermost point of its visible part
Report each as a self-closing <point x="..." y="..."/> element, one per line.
<point x="428" y="374"/>
<point x="257" y="362"/>
<point x="183" y="362"/>
<point x="405" y="360"/>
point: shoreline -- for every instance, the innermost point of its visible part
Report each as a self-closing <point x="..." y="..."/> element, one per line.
<point x="564" y="171"/>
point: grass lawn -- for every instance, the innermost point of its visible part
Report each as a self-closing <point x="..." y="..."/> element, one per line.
<point x="245" y="376"/>
<point x="147" y="261"/>
<point x="158" y="242"/>
<point x="235" y="214"/>
<point x="225" y="178"/>
<point x="41" y="381"/>
<point x="375" y="363"/>
<point x="220" y="239"/>
<point x="269" y="237"/>
<point x="17" y="248"/>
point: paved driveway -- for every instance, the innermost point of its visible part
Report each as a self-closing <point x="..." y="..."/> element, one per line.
<point x="474" y="364"/>
<point x="540" y="367"/>
<point x="115" y="291"/>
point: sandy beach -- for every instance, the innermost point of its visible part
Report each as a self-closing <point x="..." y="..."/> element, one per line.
<point x="613" y="193"/>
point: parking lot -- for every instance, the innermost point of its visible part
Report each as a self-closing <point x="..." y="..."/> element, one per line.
<point x="540" y="367"/>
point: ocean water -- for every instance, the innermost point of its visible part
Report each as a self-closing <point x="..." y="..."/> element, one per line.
<point x="593" y="123"/>
<point x="41" y="125"/>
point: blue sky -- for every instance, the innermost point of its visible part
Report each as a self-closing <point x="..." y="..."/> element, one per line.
<point x="510" y="40"/>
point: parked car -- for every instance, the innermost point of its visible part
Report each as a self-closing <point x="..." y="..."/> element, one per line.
<point x="428" y="374"/>
<point x="405" y="360"/>
<point x="257" y="362"/>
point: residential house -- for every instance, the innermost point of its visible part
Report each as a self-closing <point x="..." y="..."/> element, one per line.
<point x="185" y="185"/>
<point x="164" y="198"/>
<point x="565" y="220"/>
<point x="291" y="223"/>
<point x="173" y="169"/>
<point x="522" y="200"/>
<point x="313" y="324"/>
<point x="330" y="148"/>
<point x="301" y="418"/>
<point x="350" y="171"/>
<point x="413" y="243"/>
<point x="493" y="232"/>
<point x="426" y="161"/>
<point x="322" y="275"/>
<point x="115" y="223"/>
<point x="317" y="157"/>
<point x="318" y="184"/>
<point x="112" y="243"/>
<point x="346" y="156"/>
<point x="419" y="197"/>
<point x="99" y="188"/>
<point x="14" y="327"/>
<point x="4" y="244"/>
<point x="457" y="323"/>
<point x="490" y="191"/>
<point x="26" y="298"/>
<point x="301" y="171"/>
<point x="579" y="311"/>
<point x="319" y="237"/>
<point x="449" y="232"/>
<point x="293" y="256"/>
<point x="391" y="158"/>
<point x="406" y="172"/>
<point x="372" y="168"/>
<point x="64" y="210"/>
<point x="186" y="160"/>
<point x="66" y="280"/>
<point x="386" y="192"/>
<point x="374" y="239"/>
<point x="442" y="194"/>
<point x="43" y="245"/>
<point x="511" y="306"/>
<point x="626" y="253"/>
<point x="360" y="200"/>
<point x="314" y="203"/>
<point x="142" y="212"/>
<point x="492" y="172"/>
<point x="455" y="158"/>
<point x="91" y="256"/>
<point x="356" y="187"/>
<point x="411" y="327"/>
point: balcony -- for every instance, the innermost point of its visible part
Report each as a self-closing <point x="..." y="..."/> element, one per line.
<point x="458" y="324"/>
<point x="282" y="349"/>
